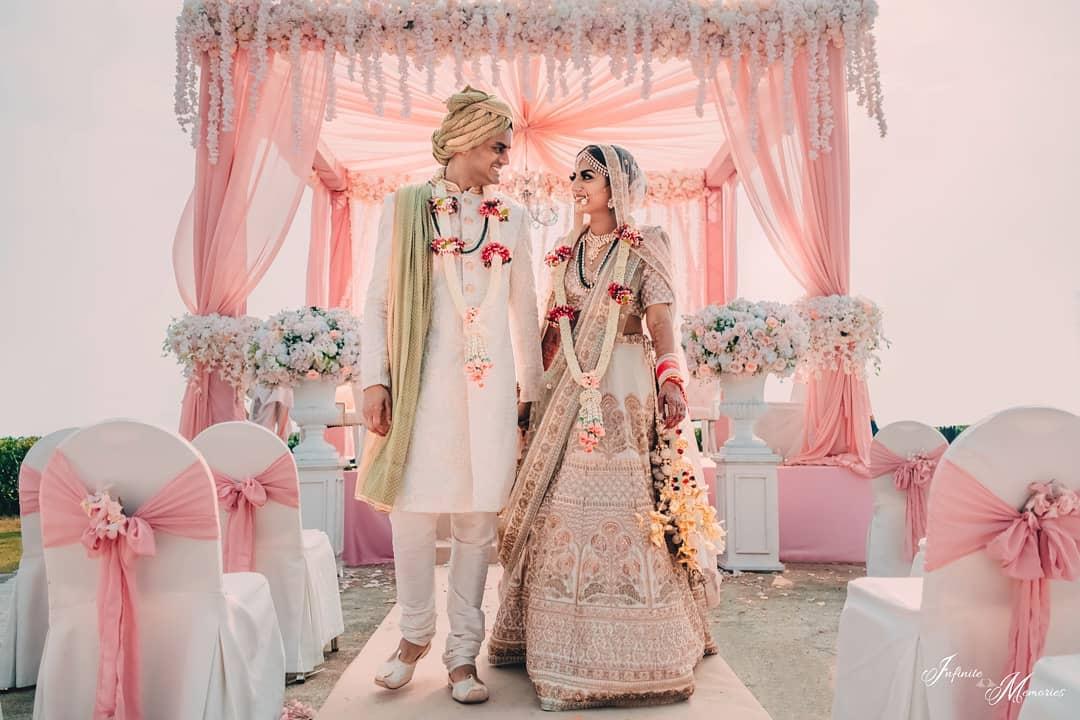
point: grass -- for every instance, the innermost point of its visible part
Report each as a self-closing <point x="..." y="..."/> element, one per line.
<point x="10" y="544"/>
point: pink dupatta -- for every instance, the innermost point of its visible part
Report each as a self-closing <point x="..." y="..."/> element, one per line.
<point x="29" y="490"/>
<point x="911" y="476"/>
<point x="183" y="507"/>
<point x="965" y="517"/>
<point x="240" y="497"/>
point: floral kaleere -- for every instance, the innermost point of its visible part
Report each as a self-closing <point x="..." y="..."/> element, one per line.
<point x="684" y="521"/>
<point x="214" y="342"/>
<point x="744" y="338"/>
<point x="845" y="335"/>
<point x="590" y="417"/>
<point x="306" y="344"/>
<point x="494" y="256"/>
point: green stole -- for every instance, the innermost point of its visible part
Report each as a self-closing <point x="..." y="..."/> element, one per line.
<point x="409" y="302"/>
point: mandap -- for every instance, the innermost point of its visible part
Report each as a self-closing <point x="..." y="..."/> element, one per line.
<point x="342" y="96"/>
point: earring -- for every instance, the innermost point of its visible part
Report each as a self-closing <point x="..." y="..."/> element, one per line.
<point x="611" y="203"/>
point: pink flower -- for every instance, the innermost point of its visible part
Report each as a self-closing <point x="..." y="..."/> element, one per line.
<point x="751" y="368"/>
<point x="335" y="334"/>
<point x="1068" y="503"/>
<point x="312" y="375"/>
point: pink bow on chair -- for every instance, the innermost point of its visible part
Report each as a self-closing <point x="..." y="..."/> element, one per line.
<point x="241" y="497"/>
<point x="912" y="476"/>
<point x="184" y="507"/>
<point x="29" y="490"/>
<point x="1034" y="545"/>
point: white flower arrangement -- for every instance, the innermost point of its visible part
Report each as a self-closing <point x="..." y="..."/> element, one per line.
<point x="562" y="33"/>
<point x="212" y="342"/>
<point x="845" y="335"/>
<point x="744" y="338"/>
<point x="306" y="344"/>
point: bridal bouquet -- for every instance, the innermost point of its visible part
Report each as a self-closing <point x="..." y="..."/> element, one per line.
<point x="845" y="334"/>
<point x="744" y="338"/>
<point x="212" y="342"/>
<point x="683" y="521"/>
<point x="306" y="344"/>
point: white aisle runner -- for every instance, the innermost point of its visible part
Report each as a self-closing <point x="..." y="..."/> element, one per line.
<point x="718" y="694"/>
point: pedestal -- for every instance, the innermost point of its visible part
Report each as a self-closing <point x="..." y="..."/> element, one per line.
<point x="322" y="495"/>
<point x="747" y="502"/>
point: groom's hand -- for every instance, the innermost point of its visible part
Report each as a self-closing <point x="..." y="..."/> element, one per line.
<point x="377" y="410"/>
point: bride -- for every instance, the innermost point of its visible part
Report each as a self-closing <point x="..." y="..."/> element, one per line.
<point x="599" y="614"/>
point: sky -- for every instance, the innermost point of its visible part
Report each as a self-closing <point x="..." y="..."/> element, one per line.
<point x="962" y="217"/>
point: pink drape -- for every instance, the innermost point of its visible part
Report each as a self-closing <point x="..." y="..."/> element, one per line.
<point x="802" y="202"/>
<point x="29" y="490"/>
<point x="183" y="507"/>
<point x="241" y="497"/>
<point x="912" y="477"/>
<point x="241" y="206"/>
<point x="965" y="517"/>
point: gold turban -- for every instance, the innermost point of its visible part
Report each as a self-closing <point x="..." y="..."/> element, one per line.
<point x="473" y="117"/>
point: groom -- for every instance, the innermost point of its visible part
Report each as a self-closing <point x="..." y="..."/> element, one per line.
<point x="450" y="363"/>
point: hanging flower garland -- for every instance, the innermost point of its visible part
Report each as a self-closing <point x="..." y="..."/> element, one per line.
<point x="563" y="34"/>
<point x="590" y="416"/>
<point x="494" y="256"/>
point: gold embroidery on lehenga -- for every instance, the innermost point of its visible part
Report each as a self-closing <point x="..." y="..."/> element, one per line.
<point x="614" y="440"/>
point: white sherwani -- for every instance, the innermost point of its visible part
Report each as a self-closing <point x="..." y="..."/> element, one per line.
<point x="464" y="447"/>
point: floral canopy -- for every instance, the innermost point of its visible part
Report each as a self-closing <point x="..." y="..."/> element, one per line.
<point x="701" y="91"/>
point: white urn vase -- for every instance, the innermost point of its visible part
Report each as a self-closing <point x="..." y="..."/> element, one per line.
<point x="743" y="400"/>
<point x="313" y="409"/>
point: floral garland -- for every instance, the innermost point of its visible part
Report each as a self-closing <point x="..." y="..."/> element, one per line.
<point x="494" y="256"/>
<point x="212" y="342"/>
<point x="590" y="416"/>
<point x="683" y="520"/>
<point x="845" y="335"/>
<point x="701" y="33"/>
<point x="664" y="187"/>
<point x="306" y="344"/>
<point x="744" y="338"/>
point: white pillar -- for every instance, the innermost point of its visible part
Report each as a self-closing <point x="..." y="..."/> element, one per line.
<point x="322" y="496"/>
<point x="746" y="496"/>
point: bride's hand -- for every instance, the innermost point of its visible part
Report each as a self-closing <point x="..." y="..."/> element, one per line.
<point x="672" y="404"/>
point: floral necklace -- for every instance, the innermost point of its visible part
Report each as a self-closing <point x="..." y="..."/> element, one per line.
<point x="590" y="417"/>
<point x="494" y="255"/>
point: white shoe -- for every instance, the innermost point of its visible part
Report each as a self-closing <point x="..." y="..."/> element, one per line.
<point x="395" y="672"/>
<point x="468" y="691"/>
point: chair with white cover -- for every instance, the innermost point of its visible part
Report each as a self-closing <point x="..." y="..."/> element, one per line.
<point x="258" y="487"/>
<point x="140" y="615"/>
<point x="903" y="457"/>
<point x="1054" y="691"/>
<point x="1000" y="588"/>
<point x="28" y="605"/>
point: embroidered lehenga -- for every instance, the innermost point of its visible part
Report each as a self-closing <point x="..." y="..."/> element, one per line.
<point x="598" y="614"/>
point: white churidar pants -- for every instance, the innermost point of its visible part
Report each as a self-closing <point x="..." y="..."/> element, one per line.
<point x="414" y="567"/>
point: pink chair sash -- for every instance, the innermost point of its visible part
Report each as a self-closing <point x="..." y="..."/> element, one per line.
<point x="966" y="517"/>
<point x="912" y="477"/>
<point x="240" y="497"/>
<point x="29" y="489"/>
<point x="184" y="507"/>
